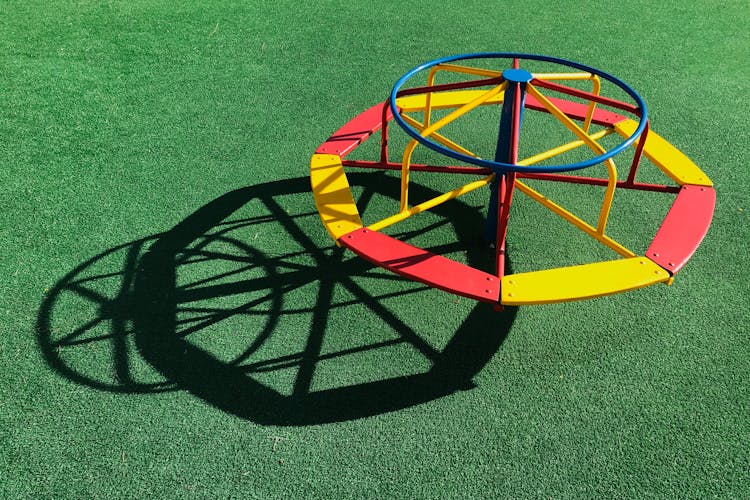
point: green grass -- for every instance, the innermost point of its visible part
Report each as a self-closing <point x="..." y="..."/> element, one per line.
<point x="174" y="320"/>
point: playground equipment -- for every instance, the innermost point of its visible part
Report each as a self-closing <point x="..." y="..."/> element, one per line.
<point x="589" y="115"/>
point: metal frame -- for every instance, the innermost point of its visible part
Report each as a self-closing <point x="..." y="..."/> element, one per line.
<point x="639" y="109"/>
<point x="683" y="229"/>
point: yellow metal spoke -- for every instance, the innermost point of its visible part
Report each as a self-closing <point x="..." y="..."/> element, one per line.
<point x="563" y="76"/>
<point x="455" y="193"/>
<point x="573" y="127"/>
<point x="458" y="112"/>
<point x="551" y="153"/>
<point x="573" y="219"/>
<point x="429" y="131"/>
<point x="438" y="137"/>
<point x="456" y="68"/>
<point x="577" y="76"/>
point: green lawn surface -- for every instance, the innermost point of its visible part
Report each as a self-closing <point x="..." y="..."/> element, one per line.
<point x="176" y="322"/>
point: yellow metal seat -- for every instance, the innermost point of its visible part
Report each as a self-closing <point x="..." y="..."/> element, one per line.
<point x="333" y="196"/>
<point x="586" y="281"/>
<point x="668" y="158"/>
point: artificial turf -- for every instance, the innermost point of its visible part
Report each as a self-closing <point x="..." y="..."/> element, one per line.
<point x="176" y="322"/>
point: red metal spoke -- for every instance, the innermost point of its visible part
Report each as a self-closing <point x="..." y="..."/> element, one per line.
<point x="564" y="89"/>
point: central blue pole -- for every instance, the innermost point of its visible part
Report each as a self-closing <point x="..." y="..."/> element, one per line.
<point x="517" y="80"/>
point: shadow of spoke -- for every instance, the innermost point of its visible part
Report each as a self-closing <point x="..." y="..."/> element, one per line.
<point x="165" y="313"/>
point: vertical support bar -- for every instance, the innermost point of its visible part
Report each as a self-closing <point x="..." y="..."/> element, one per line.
<point x="508" y="179"/>
<point x="501" y="190"/>
<point x="428" y="96"/>
<point x="507" y="185"/>
<point x="405" y="167"/>
<point x="592" y="105"/>
<point x="384" y="133"/>
<point x="637" y="157"/>
<point x="502" y="154"/>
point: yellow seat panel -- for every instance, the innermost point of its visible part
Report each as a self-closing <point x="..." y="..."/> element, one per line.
<point x="333" y="196"/>
<point x="668" y="158"/>
<point x="580" y="282"/>
<point x="442" y="100"/>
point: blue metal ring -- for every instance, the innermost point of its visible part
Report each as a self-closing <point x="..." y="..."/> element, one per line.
<point x="505" y="167"/>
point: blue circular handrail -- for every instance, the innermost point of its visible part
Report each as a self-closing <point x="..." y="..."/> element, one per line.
<point x="504" y="167"/>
